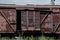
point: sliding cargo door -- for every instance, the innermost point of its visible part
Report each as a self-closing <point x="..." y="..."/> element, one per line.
<point x="27" y="20"/>
<point x="30" y="20"/>
<point x="7" y="20"/>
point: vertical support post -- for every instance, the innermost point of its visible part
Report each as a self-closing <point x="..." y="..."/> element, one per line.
<point x="27" y="18"/>
<point x="52" y="22"/>
<point x="34" y="18"/>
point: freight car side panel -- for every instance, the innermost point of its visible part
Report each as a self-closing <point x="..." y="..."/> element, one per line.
<point x="7" y="20"/>
<point x="46" y="22"/>
<point x="56" y="21"/>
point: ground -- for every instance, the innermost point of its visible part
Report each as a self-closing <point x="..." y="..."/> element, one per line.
<point x="29" y="38"/>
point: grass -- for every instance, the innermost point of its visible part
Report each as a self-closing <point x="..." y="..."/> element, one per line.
<point x="29" y="38"/>
<point x="7" y="38"/>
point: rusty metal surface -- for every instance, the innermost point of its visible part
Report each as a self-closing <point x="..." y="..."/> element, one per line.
<point x="10" y="15"/>
<point x="43" y="21"/>
<point x="32" y="19"/>
<point x="49" y="24"/>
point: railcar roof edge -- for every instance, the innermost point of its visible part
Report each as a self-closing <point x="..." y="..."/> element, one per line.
<point x="29" y="6"/>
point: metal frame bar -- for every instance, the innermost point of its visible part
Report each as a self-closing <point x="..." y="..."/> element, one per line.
<point x="44" y="18"/>
<point x="34" y="18"/>
<point x="57" y="27"/>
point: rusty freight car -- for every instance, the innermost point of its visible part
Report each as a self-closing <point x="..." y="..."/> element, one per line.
<point x="20" y="18"/>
